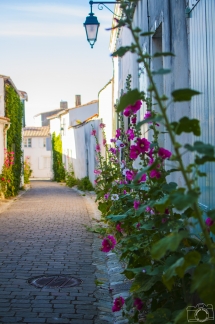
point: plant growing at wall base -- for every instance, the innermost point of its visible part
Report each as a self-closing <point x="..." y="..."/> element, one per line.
<point x="71" y="181"/>
<point x="7" y="176"/>
<point x="27" y="170"/>
<point x="58" y="167"/>
<point x="14" y="111"/>
<point x="84" y="184"/>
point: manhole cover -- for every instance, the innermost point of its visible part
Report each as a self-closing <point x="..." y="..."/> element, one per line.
<point x="55" y="281"/>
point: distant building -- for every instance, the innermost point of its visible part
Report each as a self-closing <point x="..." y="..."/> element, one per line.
<point x="41" y="118"/>
<point x="37" y="149"/>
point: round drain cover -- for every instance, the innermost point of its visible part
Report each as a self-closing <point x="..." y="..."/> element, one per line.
<point x="55" y="281"/>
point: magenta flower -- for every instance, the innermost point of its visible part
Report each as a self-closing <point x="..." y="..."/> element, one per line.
<point x="118" y="133"/>
<point x="113" y="150"/>
<point x="98" y="149"/>
<point x="163" y="153"/>
<point x="148" y="114"/>
<point x="148" y="209"/>
<point x="113" y="140"/>
<point x="134" y="120"/>
<point x="108" y="243"/>
<point x="143" y="145"/>
<point x="127" y="112"/>
<point x="143" y="178"/>
<point x="106" y="196"/>
<point x="118" y="304"/>
<point x="130" y="134"/>
<point x="93" y="132"/>
<point x="102" y="125"/>
<point x="136" y="204"/>
<point x="97" y="171"/>
<point x="138" y="303"/>
<point x="209" y="221"/>
<point x="134" y="152"/>
<point x="119" y="228"/>
<point x="124" y="192"/>
<point x="155" y="174"/>
<point x="104" y="142"/>
<point x="132" y="109"/>
<point x="138" y="225"/>
<point x="164" y="220"/>
<point x="130" y="175"/>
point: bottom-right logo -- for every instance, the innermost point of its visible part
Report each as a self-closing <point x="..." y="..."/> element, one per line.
<point x="200" y="313"/>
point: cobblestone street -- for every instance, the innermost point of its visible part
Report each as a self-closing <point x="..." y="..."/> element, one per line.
<point x="42" y="233"/>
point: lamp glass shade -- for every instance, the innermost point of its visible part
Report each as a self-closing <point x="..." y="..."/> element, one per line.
<point x="91" y="26"/>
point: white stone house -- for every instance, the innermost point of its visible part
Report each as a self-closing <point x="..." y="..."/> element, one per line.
<point x="37" y="149"/>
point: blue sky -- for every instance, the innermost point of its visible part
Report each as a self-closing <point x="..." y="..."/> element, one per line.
<point x="45" y="52"/>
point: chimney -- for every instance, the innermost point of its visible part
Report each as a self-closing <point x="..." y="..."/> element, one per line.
<point x="77" y="100"/>
<point x="63" y="104"/>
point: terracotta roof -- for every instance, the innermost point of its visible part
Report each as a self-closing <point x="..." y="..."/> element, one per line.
<point x="44" y="112"/>
<point x="5" y="119"/>
<point x="43" y="131"/>
<point x="22" y="94"/>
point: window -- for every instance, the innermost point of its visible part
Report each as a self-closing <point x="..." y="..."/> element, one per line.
<point x="44" y="142"/>
<point x="27" y="142"/>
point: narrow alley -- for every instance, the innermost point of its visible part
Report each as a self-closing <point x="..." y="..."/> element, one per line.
<point x="43" y="234"/>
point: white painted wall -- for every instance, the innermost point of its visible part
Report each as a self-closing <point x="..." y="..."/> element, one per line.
<point x="1" y="146"/>
<point x="55" y="125"/>
<point x="106" y="109"/>
<point x="82" y="113"/>
<point x="2" y="97"/>
<point x="40" y="158"/>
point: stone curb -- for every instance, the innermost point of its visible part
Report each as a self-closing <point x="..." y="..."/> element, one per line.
<point x="109" y="270"/>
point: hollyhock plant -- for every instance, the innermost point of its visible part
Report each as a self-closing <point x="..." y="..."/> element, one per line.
<point x="163" y="153"/>
<point x="106" y="196"/>
<point x="120" y="144"/>
<point x="164" y="220"/>
<point x="130" y="175"/>
<point x="134" y="152"/>
<point x="102" y="125"/>
<point x="143" y="178"/>
<point x="93" y="132"/>
<point x="132" y="109"/>
<point x="114" y="197"/>
<point x="138" y="303"/>
<point x="134" y="120"/>
<point x="118" y="133"/>
<point x="113" y="150"/>
<point x="136" y="204"/>
<point x="118" y="304"/>
<point x="209" y="221"/>
<point x="104" y="142"/>
<point x="143" y="145"/>
<point x="97" y="171"/>
<point x="130" y="133"/>
<point x="148" y="114"/>
<point x="119" y="228"/>
<point x="155" y="174"/>
<point x="113" y="140"/>
<point x="108" y="243"/>
<point x="98" y="149"/>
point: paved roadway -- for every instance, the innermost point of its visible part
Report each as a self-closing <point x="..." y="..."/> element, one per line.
<point x="43" y="233"/>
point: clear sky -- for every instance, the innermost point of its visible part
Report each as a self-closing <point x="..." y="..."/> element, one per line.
<point x="43" y="48"/>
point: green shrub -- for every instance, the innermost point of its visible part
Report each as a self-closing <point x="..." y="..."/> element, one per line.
<point x="27" y="170"/>
<point x="58" y="167"/>
<point x="71" y="181"/>
<point x="84" y="184"/>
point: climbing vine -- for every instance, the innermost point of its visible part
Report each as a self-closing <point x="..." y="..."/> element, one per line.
<point x="58" y="167"/>
<point x="14" y="111"/>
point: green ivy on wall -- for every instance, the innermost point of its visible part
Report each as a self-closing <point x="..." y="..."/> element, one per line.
<point x="14" y="111"/>
<point x="58" y="167"/>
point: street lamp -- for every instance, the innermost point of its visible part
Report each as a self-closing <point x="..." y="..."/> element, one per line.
<point x="91" y="24"/>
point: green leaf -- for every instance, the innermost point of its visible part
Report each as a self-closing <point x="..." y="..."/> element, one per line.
<point x="184" y="94"/>
<point x="181" y="318"/>
<point x="147" y="34"/>
<point x="163" y="54"/>
<point x="168" y="243"/>
<point x="160" y="316"/>
<point x="187" y="125"/>
<point x="201" y="148"/>
<point x="168" y="187"/>
<point x="162" y="204"/>
<point x="116" y="218"/>
<point x="211" y="213"/>
<point x="203" y="283"/>
<point x="121" y="51"/>
<point x="149" y="120"/>
<point x="183" y="200"/>
<point x="129" y="99"/>
<point x="161" y="72"/>
<point x="143" y="282"/>
<point x="204" y="159"/>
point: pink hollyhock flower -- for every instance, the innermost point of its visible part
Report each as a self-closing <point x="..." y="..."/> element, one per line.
<point x="102" y="125"/>
<point x="127" y="112"/>
<point x="104" y="142"/>
<point x="124" y="192"/>
<point x="123" y="182"/>
<point x="143" y="178"/>
<point x="119" y="228"/>
<point x="164" y="220"/>
<point x="134" y="120"/>
<point x="148" y="209"/>
<point x="138" y="303"/>
<point x="95" y="181"/>
<point x="130" y="175"/>
<point x="113" y="150"/>
<point x="118" y="304"/>
<point x="155" y="174"/>
<point x="97" y="171"/>
<point x="108" y="243"/>
<point x="209" y="221"/>
<point x="148" y="114"/>
<point x="138" y="225"/>
<point x="136" y="204"/>
<point x="113" y="140"/>
<point x="106" y="196"/>
<point x="134" y="152"/>
<point x="132" y="109"/>
<point x="2" y="179"/>
<point x="130" y="134"/>
<point x="93" y="132"/>
<point x="143" y="145"/>
<point x="98" y="149"/>
<point x="118" y="133"/>
<point x="163" y="153"/>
